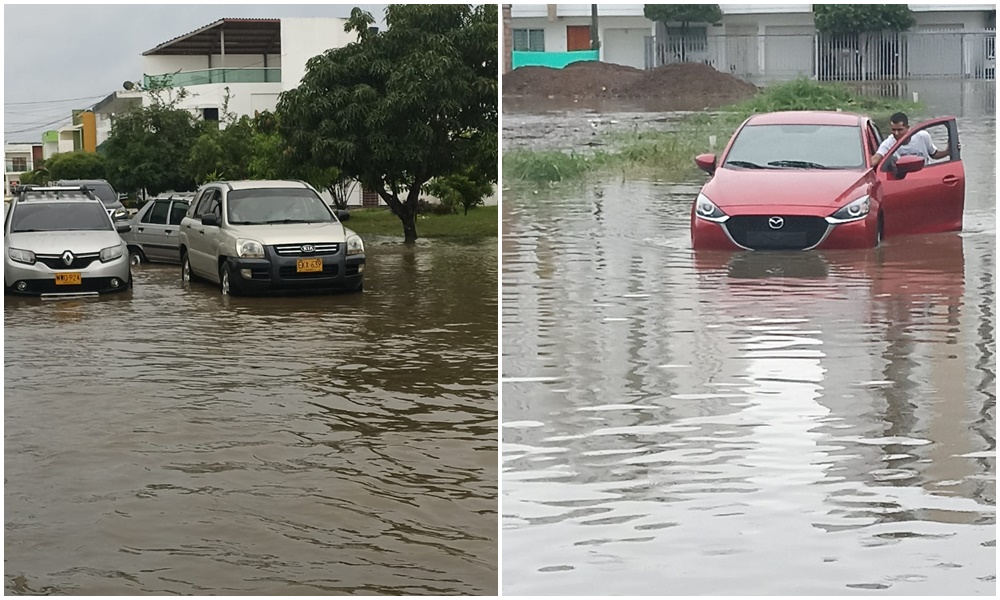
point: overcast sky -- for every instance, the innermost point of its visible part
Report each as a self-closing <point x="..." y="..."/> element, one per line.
<point x="62" y="57"/>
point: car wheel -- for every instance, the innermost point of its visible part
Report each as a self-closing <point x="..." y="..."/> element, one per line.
<point x="187" y="275"/>
<point x="227" y="282"/>
<point x="136" y="257"/>
<point x="361" y="287"/>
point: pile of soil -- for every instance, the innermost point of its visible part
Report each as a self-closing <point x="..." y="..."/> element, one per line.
<point x="686" y="86"/>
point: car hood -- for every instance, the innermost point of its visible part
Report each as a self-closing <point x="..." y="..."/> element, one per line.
<point x="293" y="233"/>
<point x="57" y="242"/>
<point x="739" y="191"/>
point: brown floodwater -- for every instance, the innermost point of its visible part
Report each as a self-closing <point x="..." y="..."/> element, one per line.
<point x="816" y="423"/>
<point x="172" y="441"/>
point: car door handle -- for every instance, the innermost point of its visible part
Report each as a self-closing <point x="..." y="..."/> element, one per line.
<point x="949" y="180"/>
<point x="139" y="229"/>
<point x="166" y="231"/>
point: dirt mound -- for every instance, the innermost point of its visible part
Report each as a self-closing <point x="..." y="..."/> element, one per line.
<point x="686" y="86"/>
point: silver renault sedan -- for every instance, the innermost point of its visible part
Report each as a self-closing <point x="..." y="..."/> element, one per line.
<point x="61" y="241"/>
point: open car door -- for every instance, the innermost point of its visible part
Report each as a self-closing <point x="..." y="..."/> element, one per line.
<point x="929" y="200"/>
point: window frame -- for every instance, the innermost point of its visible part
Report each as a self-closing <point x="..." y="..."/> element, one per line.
<point x="527" y="32"/>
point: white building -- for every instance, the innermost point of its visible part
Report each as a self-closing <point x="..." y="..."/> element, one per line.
<point x="767" y="41"/>
<point x="18" y="158"/>
<point x="256" y="59"/>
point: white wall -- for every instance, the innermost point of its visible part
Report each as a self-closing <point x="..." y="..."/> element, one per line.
<point x="244" y="98"/>
<point x="160" y="65"/>
<point x="304" y="38"/>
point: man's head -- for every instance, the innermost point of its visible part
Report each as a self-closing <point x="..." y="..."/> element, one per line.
<point x="899" y="123"/>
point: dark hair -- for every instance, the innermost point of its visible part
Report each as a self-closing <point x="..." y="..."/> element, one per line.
<point x="900" y="118"/>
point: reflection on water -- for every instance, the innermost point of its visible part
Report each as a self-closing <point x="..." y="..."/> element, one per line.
<point x="172" y="441"/>
<point x="803" y="423"/>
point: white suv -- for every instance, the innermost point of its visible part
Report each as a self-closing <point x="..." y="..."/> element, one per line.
<point x="256" y="236"/>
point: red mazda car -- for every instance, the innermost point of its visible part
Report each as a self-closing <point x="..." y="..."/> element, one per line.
<point x="804" y="180"/>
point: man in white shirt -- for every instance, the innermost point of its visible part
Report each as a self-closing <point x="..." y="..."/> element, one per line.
<point x="920" y="144"/>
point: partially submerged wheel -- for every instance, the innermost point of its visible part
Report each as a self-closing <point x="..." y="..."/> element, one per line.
<point x="227" y="281"/>
<point x="136" y="257"/>
<point x="187" y="275"/>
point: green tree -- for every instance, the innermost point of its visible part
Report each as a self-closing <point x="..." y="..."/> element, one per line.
<point x="76" y="165"/>
<point x="461" y="189"/>
<point x="855" y="19"/>
<point x="685" y="14"/>
<point x="149" y="147"/>
<point x="402" y="106"/>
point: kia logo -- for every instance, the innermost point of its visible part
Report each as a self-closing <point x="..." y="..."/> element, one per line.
<point x="308" y="248"/>
<point x="776" y="222"/>
<point x="67" y="257"/>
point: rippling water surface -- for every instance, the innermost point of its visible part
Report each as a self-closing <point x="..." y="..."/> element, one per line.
<point x="748" y="423"/>
<point x="172" y="441"/>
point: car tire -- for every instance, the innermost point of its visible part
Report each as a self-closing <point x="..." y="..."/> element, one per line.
<point x="136" y="257"/>
<point x="360" y="287"/>
<point x="227" y="281"/>
<point x="187" y="275"/>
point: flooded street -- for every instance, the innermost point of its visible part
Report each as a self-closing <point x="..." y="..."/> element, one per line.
<point x="816" y="423"/>
<point x="173" y="441"/>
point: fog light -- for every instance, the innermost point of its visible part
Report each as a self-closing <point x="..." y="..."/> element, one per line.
<point x="361" y="268"/>
<point x="115" y="282"/>
<point x="22" y="285"/>
<point x="246" y="273"/>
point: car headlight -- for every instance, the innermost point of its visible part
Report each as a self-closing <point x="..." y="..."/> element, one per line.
<point x="249" y="249"/>
<point x="853" y="211"/>
<point x="706" y="209"/>
<point x="355" y="246"/>
<point x="112" y="252"/>
<point x="120" y="213"/>
<point x="22" y="256"/>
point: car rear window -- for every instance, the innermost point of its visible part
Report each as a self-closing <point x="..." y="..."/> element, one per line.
<point x="59" y="216"/>
<point x="824" y="146"/>
<point x="104" y="191"/>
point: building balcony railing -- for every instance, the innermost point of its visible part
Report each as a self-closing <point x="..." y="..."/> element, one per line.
<point x="17" y="165"/>
<point x="206" y="76"/>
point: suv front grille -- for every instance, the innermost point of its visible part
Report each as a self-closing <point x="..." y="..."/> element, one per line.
<point x="796" y="233"/>
<point x="81" y="261"/>
<point x="318" y="249"/>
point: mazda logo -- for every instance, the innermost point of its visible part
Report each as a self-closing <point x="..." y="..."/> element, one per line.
<point x="308" y="248"/>
<point x="776" y="222"/>
<point x="67" y="257"/>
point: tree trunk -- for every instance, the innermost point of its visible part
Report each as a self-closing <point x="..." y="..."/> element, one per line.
<point x="406" y="210"/>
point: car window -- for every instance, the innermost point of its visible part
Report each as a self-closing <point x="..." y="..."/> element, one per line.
<point x="102" y="190"/>
<point x="177" y="211"/>
<point x="209" y="199"/>
<point x="277" y="205"/>
<point x="158" y="213"/>
<point x="59" y="216"/>
<point x="791" y="146"/>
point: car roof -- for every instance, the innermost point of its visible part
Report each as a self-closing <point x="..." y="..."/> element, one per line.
<point x="40" y="194"/>
<point x="83" y="181"/>
<point x="249" y="184"/>
<point x="806" y="117"/>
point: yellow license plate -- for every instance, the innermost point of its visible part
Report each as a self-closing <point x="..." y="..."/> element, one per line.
<point x="68" y="279"/>
<point x="309" y="265"/>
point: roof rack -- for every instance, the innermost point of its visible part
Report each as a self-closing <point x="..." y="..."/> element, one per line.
<point x="23" y="192"/>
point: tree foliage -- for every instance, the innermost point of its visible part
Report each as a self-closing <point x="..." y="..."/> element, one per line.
<point x="402" y="106"/>
<point x="854" y="19"/>
<point x="461" y="189"/>
<point x="683" y="13"/>
<point x="149" y="147"/>
<point x="76" y="165"/>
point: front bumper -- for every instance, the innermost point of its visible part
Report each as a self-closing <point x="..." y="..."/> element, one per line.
<point x="39" y="278"/>
<point x="798" y="233"/>
<point x="274" y="272"/>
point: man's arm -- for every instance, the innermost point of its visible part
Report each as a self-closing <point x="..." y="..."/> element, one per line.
<point x="876" y="158"/>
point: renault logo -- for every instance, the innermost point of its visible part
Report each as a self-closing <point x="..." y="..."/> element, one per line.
<point x="776" y="222"/>
<point x="67" y="257"/>
<point x="308" y="248"/>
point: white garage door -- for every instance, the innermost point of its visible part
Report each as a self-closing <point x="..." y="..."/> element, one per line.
<point x="625" y="46"/>
<point x="788" y="51"/>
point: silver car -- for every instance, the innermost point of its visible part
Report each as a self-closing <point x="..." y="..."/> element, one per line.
<point x="154" y="234"/>
<point x="254" y="236"/>
<point x="62" y="241"/>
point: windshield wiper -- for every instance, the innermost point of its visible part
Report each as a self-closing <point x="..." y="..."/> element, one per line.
<point x="797" y="164"/>
<point x="744" y="163"/>
<point x="283" y="221"/>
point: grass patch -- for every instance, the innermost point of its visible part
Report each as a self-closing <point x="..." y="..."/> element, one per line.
<point x="671" y="153"/>
<point x="481" y="222"/>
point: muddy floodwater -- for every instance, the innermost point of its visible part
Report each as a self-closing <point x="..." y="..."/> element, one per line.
<point x="172" y="441"/>
<point x="743" y="423"/>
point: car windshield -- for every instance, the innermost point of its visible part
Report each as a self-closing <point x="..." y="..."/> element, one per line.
<point x="104" y="191"/>
<point x="59" y="216"/>
<point x="797" y="147"/>
<point x="277" y="205"/>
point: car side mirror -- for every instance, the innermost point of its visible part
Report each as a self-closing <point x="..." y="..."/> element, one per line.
<point x="210" y="219"/>
<point x="706" y="162"/>
<point x="123" y="226"/>
<point x="908" y="164"/>
<point x="343" y="215"/>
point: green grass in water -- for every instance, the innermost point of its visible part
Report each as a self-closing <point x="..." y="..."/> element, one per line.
<point x="671" y="153"/>
<point x="480" y="223"/>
